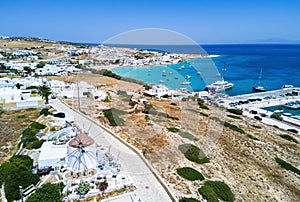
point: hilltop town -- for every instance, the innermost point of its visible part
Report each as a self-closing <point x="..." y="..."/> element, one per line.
<point x="93" y="135"/>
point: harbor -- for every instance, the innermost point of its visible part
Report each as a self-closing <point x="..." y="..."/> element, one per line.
<point x="254" y="105"/>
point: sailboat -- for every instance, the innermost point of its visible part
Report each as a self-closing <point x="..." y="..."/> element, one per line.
<point x="259" y="88"/>
<point x="224" y="68"/>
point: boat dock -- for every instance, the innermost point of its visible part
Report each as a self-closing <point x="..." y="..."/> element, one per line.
<point x="253" y="103"/>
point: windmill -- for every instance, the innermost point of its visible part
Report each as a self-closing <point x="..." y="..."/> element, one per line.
<point x="79" y="157"/>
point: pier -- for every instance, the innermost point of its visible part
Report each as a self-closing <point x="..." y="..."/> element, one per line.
<point x="255" y="102"/>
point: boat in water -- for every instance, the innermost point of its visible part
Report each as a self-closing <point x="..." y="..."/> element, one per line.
<point x="287" y="86"/>
<point x="259" y="88"/>
<point x="187" y="76"/>
<point x="292" y="105"/>
<point x="198" y="73"/>
<point x="287" y="114"/>
<point x="185" y="83"/>
<point x="181" y="67"/>
<point x="279" y="110"/>
<point x="219" y="86"/>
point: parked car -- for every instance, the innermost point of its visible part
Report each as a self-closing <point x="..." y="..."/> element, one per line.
<point x="258" y="118"/>
<point x="293" y="130"/>
<point x="59" y="115"/>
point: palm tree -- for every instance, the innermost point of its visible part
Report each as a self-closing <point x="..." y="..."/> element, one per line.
<point x="45" y="91"/>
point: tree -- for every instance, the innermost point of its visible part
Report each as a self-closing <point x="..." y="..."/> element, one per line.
<point x="276" y="115"/>
<point x="45" y="91"/>
<point x="18" y="85"/>
<point x="48" y="192"/>
<point x="41" y="64"/>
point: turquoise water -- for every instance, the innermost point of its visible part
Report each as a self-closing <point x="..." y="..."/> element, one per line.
<point x="280" y="65"/>
<point x="285" y="110"/>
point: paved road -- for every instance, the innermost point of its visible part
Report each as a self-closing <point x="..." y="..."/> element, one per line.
<point x="148" y="187"/>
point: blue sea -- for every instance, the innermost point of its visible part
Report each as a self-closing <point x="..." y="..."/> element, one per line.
<point x="238" y="64"/>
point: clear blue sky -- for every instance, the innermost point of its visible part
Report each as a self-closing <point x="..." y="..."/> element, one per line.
<point x="227" y="21"/>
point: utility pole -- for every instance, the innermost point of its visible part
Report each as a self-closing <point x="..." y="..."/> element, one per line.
<point x="78" y="96"/>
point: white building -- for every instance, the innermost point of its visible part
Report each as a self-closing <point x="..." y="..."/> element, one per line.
<point x="158" y="91"/>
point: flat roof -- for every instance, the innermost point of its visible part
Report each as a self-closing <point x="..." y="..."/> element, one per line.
<point x="51" y="151"/>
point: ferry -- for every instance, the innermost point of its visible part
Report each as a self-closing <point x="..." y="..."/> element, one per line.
<point x="219" y="86"/>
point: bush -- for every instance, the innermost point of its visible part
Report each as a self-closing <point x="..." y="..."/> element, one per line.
<point x="113" y="116"/>
<point x="277" y="115"/>
<point x="289" y="138"/>
<point x="193" y="153"/>
<point x="83" y="188"/>
<point x="234" y="127"/>
<point x="37" y="125"/>
<point x="208" y="193"/>
<point x="188" y="200"/>
<point x="173" y="130"/>
<point x="235" y="111"/>
<point x="48" y="192"/>
<point x="35" y="144"/>
<point x="201" y="104"/>
<point x="221" y="189"/>
<point x="189" y="173"/>
<point x="287" y="165"/>
<point x="252" y="137"/>
<point x="17" y="172"/>
<point x="255" y="126"/>
<point x="45" y="112"/>
<point x="22" y="116"/>
<point x="233" y="116"/>
<point x="187" y="135"/>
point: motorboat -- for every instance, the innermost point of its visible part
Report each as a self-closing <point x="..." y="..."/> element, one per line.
<point x="187" y="76"/>
<point x="185" y="83"/>
<point x="279" y="110"/>
<point x="287" y="86"/>
<point x="181" y="67"/>
<point x="198" y="73"/>
<point x="292" y="105"/>
<point x="287" y="114"/>
<point x="219" y="86"/>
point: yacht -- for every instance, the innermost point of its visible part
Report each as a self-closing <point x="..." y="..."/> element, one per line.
<point x="259" y="88"/>
<point x="219" y="86"/>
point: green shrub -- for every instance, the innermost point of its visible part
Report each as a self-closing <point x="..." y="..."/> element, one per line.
<point x="48" y="192"/>
<point x="1" y="111"/>
<point x="173" y="130"/>
<point x="221" y="189"/>
<point x="233" y="116"/>
<point x="201" y="104"/>
<point x="186" y="135"/>
<point x="255" y="126"/>
<point x="189" y="173"/>
<point x="45" y="112"/>
<point x="35" y="144"/>
<point x="235" y="111"/>
<point x="252" y="137"/>
<point x="234" y="127"/>
<point x="113" y="116"/>
<point x="277" y="115"/>
<point x="37" y="125"/>
<point x="289" y="138"/>
<point x="22" y="116"/>
<point x="208" y="193"/>
<point x="287" y="165"/>
<point x="188" y="200"/>
<point x="193" y="153"/>
<point x="17" y="172"/>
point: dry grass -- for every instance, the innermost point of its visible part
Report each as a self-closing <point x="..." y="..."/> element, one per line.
<point x="11" y="128"/>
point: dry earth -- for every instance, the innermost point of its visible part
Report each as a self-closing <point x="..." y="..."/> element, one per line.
<point x="246" y="165"/>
